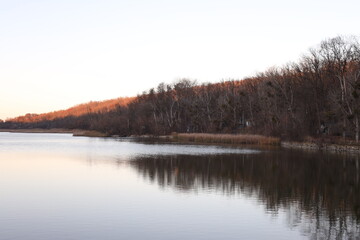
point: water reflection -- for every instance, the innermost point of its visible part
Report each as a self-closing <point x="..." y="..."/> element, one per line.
<point x="319" y="193"/>
<point x="92" y="188"/>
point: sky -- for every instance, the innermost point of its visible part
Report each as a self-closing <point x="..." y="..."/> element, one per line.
<point x="56" y="54"/>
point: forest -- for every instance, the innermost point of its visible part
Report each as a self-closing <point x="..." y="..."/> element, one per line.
<point x="317" y="96"/>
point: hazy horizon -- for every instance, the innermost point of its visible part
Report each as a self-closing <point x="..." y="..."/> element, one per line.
<point x="55" y="55"/>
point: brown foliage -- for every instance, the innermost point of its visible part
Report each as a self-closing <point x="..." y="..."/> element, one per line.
<point x="78" y="110"/>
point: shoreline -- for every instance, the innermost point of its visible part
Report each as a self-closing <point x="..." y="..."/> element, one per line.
<point x="234" y="139"/>
<point x="213" y="139"/>
<point x="327" y="147"/>
<point x="38" y="130"/>
<point x="74" y="132"/>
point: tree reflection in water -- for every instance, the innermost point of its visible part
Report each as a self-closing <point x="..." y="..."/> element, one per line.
<point x="320" y="193"/>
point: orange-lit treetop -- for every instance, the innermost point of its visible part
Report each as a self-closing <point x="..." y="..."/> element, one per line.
<point x="78" y="110"/>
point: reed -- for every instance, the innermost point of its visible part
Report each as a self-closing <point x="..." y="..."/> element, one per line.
<point x="88" y="133"/>
<point x="226" y="138"/>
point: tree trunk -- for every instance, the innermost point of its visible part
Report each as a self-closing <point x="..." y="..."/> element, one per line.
<point x="344" y="129"/>
<point x="356" y="128"/>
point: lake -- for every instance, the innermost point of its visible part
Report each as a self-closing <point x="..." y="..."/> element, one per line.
<point x="55" y="186"/>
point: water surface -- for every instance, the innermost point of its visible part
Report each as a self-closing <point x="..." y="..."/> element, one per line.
<point x="55" y="186"/>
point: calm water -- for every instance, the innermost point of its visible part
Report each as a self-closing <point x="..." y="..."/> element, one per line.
<point x="55" y="186"/>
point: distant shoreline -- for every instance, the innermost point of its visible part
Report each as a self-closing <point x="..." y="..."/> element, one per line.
<point x="74" y="132"/>
<point x="38" y="130"/>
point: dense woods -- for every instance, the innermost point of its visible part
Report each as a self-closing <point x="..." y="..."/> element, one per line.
<point x="316" y="96"/>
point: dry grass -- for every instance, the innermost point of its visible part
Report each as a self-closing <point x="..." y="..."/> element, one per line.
<point x="227" y="138"/>
<point x="88" y="133"/>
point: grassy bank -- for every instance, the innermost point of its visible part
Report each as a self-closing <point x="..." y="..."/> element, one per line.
<point x="88" y="133"/>
<point x="226" y="138"/>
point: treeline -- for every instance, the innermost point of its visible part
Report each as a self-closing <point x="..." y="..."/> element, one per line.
<point x="78" y="110"/>
<point x="316" y="96"/>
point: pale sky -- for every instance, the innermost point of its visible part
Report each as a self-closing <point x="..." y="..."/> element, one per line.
<point x="56" y="54"/>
